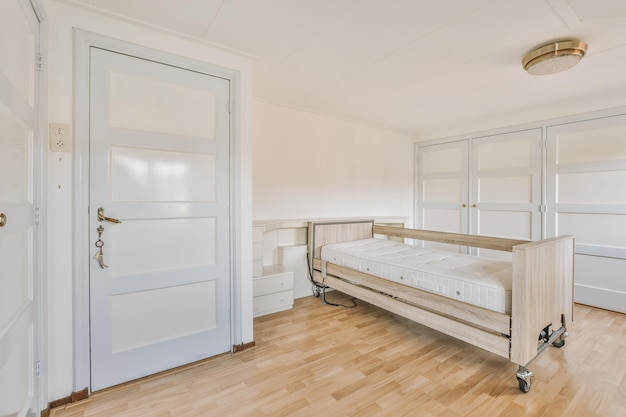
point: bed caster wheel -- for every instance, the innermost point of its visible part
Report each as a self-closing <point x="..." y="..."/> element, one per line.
<point x="523" y="378"/>
<point x="524" y="386"/>
<point x="317" y="291"/>
<point x="560" y="342"/>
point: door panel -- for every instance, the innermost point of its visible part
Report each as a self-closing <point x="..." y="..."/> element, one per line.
<point x="589" y="187"/>
<point x="159" y="162"/>
<point x="155" y="105"/>
<point x="156" y="175"/>
<point x="155" y="318"/>
<point x="166" y="245"/>
<point x="518" y="223"/>
<point x="586" y="172"/>
<point x="19" y="43"/>
<point x="506" y="187"/>
<point x="489" y="186"/>
<point x="443" y="189"/>
<point x="518" y="189"/>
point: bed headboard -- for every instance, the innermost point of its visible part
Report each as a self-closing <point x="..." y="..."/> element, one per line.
<point x="325" y="232"/>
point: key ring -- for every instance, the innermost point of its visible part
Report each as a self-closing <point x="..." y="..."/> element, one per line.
<point x="99" y="244"/>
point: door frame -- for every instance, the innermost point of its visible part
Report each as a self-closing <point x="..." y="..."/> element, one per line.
<point x="83" y="42"/>
<point x="40" y="256"/>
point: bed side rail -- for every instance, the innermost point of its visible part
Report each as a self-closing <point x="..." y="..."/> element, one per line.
<point x="475" y="241"/>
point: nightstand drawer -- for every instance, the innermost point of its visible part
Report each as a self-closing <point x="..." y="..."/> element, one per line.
<point x="272" y="303"/>
<point x="272" y="284"/>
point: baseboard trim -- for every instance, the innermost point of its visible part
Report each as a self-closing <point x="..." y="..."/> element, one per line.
<point x="600" y="297"/>
<point x="80" y="395"/>
<point x="243" y="346"/>
<point x="72" y="398"/>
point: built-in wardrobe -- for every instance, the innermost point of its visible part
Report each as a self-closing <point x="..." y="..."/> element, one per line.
<point x="562" y="176"/>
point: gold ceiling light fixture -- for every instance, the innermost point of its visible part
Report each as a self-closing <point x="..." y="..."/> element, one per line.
<point x="554" y="57"/>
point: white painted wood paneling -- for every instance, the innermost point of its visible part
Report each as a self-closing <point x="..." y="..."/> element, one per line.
<point x="161" y="106"/>
<point x="161" y="244"/>
<point x="164" y="297"/>
<point x="150" y="175"/>
<point x="154" y="322"/>
<point x="443" y="189"/>
<point x="506" y="185"/>
<point x="20" y="233"/>
<point x="586" y="173"/>
<point x="488" y="185"/>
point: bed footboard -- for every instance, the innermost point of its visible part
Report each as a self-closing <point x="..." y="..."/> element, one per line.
<point x="542" y="293"/>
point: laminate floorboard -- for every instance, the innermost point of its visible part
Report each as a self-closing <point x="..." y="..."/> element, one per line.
<point x="319" y="360"/>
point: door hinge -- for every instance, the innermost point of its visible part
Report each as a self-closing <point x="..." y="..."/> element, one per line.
<point x="229" y="106"/>
<point x="38" y="369"/>
<point x="40" y="62"/>
<point x="37" y="216"/>
<point x="543" y="208"/>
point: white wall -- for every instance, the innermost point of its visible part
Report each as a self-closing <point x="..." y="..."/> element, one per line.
<point x="62" y="19"/>
<point x="307" y="165"/>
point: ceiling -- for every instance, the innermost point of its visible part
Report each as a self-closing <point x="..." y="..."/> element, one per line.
<point x="431" y="68"/>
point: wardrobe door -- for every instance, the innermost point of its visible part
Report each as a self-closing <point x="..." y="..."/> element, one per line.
<point x="586" y="173"/>
<point x="506" y="187"/>
<point x="442" y="189"/>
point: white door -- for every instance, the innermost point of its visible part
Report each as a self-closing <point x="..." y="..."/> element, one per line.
<point x="586" y="196"/>
<point x="442" y="190"/>
<point x="489" y="186"/>
<point x="19" y="43"/>
<point x="159" y="163"/>
<point x="506" y="187"/>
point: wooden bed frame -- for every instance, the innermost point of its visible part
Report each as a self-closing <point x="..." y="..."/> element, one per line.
<point x="542" y="290"/>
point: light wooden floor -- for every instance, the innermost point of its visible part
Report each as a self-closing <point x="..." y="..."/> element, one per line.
<point x="317" y="360"/>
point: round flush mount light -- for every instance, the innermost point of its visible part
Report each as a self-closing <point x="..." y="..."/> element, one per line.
<point x="554" y="57"/>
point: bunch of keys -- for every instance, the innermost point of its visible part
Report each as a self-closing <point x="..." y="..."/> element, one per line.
<point x="99" y="244"/>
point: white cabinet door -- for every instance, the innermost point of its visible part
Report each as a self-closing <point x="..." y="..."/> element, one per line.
<point x="442" y="189"/>
<point x="159" y="162"/>
<point x="586" y="191"/>
<point x="19" y="43"/>
<point x="487" y="185"/>
<point x="506" y="186"/>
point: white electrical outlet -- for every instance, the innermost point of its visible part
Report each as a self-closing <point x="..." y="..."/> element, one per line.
<point x="60" y="137"/>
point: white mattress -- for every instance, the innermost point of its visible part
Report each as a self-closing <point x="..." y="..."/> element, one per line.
<point x="474" y="280"/>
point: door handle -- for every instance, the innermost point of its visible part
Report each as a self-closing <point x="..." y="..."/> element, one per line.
<point x="102" y="217"/>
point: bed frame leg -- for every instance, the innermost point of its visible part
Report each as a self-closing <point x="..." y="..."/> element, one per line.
<point x="559" y="340"/>
<point x="523" y="378"/>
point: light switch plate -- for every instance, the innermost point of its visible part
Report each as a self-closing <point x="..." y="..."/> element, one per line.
<point x="60" y="137"/>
